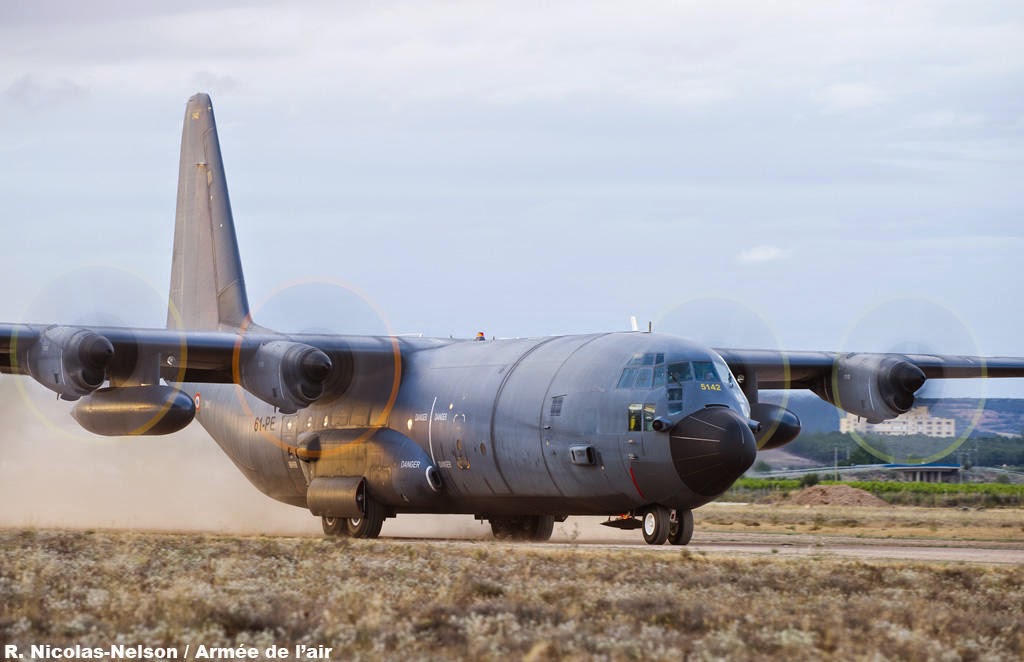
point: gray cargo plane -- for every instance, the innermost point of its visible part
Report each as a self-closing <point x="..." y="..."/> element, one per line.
<point x="640" y="427"/>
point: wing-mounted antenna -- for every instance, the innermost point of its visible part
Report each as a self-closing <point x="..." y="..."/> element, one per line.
<point x="207" y="288"/>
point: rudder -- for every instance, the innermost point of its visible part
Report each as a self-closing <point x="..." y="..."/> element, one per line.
<point x="207" y="289"/>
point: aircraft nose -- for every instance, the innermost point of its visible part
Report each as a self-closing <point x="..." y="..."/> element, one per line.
<point x="711" y="448"/>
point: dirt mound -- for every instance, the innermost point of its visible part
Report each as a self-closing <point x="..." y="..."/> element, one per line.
<point x="834" y="495"/>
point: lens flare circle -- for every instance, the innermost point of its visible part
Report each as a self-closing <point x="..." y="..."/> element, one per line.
<point x="348" y="292"/>
<point x="911" y="325"/>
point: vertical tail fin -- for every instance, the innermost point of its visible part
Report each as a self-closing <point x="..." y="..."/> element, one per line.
<point x="207" y="288"/>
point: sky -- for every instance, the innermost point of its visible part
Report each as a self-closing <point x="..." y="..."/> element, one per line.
<point x="835" y="175"/>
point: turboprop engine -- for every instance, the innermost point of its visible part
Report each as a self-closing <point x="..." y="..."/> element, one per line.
<point x="875" y="387"/>
<point x="286" y="374"/>
<point x="70" y="362"/>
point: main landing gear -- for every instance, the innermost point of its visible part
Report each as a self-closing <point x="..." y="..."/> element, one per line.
<point x="367" y="526"/>
<point x="529" y="527"/>
<point x="658" y="525"/>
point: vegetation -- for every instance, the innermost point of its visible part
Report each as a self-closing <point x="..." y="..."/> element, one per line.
<point x="951" y="526"/>
<point x="489" y="600"/>
<point x="809" y="480"/>
<point x="981" y="452"/>
<point x="895" y="492"/>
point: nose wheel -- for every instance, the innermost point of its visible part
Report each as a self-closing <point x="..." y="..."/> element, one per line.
<point x="656" y="523"/>
<point x="660" y="525"/>
<point x="680" y="531"/>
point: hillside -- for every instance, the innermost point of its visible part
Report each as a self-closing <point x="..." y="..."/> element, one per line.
<point x="999" y="416"/>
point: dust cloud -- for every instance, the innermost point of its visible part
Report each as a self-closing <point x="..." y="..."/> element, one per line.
<point x="55" y="474"/>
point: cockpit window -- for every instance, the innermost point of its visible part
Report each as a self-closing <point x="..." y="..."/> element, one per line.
<point x="635" y="378"/>
<point x="643" y="371"/>
<point x="627" y="378"/>
<point x="705" y="371"/>
<point x="649" y="358"/>
<point x="660" y="372"/>
<point x="679" y="372"/>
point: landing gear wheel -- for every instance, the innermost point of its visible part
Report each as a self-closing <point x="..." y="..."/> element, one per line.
<point x="530" y="527"/>
<point x="501" y="528"/>
<point x="681" y="531"/>
<point x="334" y="526"/>
<point x="655" y="525"/>
<point x="369" y="525"/>
<point x="543" y="528"/>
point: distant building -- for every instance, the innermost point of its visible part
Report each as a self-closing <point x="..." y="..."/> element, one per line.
<point x="917" y="421"/>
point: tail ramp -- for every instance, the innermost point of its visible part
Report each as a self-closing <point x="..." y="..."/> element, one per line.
<point x="207" y="288"/>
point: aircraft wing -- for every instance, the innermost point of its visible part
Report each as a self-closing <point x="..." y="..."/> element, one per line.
<point x="75" y="360"/>
<point x="875" y="386"/>
<point x="786" y="370"/>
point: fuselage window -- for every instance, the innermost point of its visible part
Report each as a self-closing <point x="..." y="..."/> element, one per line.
<point x="641" y="417"/>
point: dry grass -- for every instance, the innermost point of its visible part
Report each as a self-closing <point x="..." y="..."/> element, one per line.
<point x="489" y="600"/>
<point x="991" y="525"/>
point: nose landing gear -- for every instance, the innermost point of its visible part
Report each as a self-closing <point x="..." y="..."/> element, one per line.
<point x="661" y="524"/>
<point x="656" y="524"/>
<point x="680" y="530"/>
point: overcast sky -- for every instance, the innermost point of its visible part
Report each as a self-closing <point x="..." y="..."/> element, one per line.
<point x="836" y="175"/>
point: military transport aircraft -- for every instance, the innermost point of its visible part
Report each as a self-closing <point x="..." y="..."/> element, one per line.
<point x="640" y="427"/>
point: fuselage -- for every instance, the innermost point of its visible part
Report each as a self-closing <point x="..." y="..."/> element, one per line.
<point x="586" y="424"/>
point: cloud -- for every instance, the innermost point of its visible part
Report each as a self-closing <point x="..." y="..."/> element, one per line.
<point x="947" y="119"/>
<point x="32" y="93"/>
<point x="759" y="254"/>
<point x="848" y="97"/>
<point x="208" y="81"/>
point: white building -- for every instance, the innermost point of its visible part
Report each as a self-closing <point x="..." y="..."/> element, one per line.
<point x="917" y="421"/>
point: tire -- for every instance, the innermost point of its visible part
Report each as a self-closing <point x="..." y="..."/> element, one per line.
<point x="501" y="528"/>
<point x="334" y="526"/>
<point x="544" y="526"/>
<point x="529" y="527"/>
<point x="655" y="525"/>
<point x="681" y="531"/>
<point x="369" y="525"/>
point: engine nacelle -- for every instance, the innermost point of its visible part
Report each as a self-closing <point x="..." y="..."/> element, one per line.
<point x="876" y="387"/>
<point x="135" y="410"/>
<point x="288" y="375"/>
<point x="69" y="361"/>
<point x="779" y="426"/>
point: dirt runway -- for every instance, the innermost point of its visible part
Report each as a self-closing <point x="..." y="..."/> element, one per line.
<point x="588" y="532"/>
